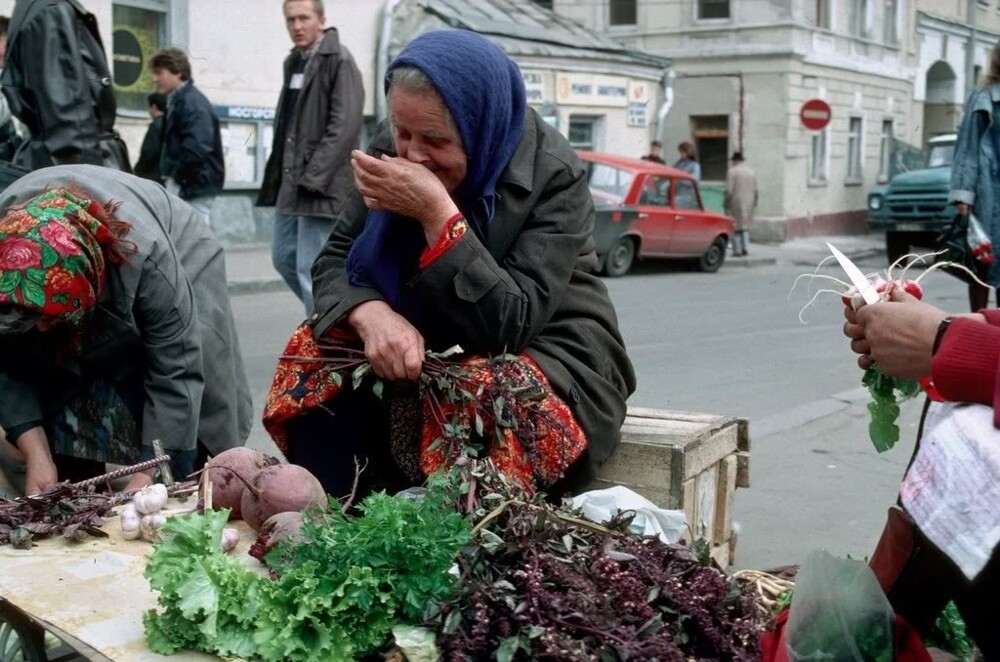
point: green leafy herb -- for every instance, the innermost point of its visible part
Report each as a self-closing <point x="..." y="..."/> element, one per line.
<point x="887" y="392"/>
<point x="336" y="594"/>
<point x="949" y="633"/>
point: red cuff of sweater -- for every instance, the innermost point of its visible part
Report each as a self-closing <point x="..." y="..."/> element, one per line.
<point x="965" y="366"/>
<point x="454" y="228"/>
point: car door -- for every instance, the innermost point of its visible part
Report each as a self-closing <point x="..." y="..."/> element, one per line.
<point x="654" y="221"/>
<point x="692" y="232"/>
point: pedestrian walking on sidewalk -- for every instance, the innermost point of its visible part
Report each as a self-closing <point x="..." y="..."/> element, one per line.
<point x="57" y="82"/>
<point x="192" y="163"/>
<point x="741" y="201"/>
<point x="317" y="124"/>
<point x="974" y="180"/>
<point x="148" y="165"/>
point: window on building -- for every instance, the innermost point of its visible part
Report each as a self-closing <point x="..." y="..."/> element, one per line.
<point x="890" y="33"/>
<point x="859" y="18"/>
<point x="822" y="17"/>
<point x="583" y="132"/>
<point x="623" y="12"/>
<point x="885" y="151"/>
<point x="713" y="8"/>
<point x="817" y="157"/>
<point x="854" y="149"/>
<point x="138" y="29"/>
<point x="547" y="4"/>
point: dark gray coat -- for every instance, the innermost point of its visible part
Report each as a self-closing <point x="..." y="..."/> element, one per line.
<point x="531" y="287"/>
<point x="165" y="312"/>
<point x="56" y="80"/>
<point x="309" y="170"/>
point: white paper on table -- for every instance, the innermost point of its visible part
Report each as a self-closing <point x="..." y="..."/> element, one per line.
<point x="952" y="490"/>
<point x="651" y="520"/>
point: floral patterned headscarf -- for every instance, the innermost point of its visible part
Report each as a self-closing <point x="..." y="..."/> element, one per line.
<point x="54" y="251"/>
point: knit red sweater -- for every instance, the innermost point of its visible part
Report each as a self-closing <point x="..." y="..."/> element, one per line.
<point x="965" y="367"/>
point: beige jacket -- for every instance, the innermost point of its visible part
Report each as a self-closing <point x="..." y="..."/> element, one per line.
<point x="741" y="194"/>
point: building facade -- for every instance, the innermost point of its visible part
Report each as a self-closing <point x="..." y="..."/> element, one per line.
<point x="745" y="68"/>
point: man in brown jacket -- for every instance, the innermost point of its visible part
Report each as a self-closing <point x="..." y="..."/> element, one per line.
<point x="317" y="124"/>
<point x="741" y="201"/>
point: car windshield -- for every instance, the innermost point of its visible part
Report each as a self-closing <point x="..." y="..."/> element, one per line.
<point x="608" y="183"/>
<point x="941" y="154"/>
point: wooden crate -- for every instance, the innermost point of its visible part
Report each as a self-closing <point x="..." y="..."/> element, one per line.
<point x="685" y="461"/>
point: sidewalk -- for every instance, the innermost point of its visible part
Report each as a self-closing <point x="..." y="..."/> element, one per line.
<point x="250" y="271"/>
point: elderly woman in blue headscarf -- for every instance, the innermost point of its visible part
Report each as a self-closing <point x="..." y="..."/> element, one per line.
<point x="472" y="226"/>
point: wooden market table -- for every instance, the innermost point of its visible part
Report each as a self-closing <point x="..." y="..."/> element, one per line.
<point x="92" y="594"/>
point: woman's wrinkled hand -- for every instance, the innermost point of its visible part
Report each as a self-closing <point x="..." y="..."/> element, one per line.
<point x="897" y="335"/>
<point x="399" y="186"/>
<point x="393" y="346"/>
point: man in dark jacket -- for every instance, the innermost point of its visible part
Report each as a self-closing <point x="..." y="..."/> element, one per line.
<point x="57" y="82"/>
<point x="192" y="163"/>
<point x="148" y="165"/>
<point x="317" y="124"/>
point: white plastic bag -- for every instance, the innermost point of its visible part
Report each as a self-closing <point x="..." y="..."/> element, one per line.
<point x="650" y="519"/>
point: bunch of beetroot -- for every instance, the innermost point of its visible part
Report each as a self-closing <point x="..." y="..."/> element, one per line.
<point x="266" y="494"/>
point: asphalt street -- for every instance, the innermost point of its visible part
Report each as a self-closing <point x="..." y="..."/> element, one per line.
<point x="732" y="343"/>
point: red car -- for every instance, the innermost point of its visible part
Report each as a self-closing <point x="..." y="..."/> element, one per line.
<point x="644" y="209"/>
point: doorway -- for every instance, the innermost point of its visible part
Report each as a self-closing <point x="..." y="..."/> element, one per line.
<point x="711" y="141"/>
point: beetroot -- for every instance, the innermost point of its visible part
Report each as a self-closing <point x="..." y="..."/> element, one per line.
<point x="226" y="471"/>
<point x="279" y="489"/>
<point x="283" y="526"/>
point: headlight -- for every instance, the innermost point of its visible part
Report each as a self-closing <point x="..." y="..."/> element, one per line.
<point x="874" y="202"/>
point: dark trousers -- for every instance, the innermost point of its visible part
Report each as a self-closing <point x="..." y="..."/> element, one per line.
<point x="354" y="426"/>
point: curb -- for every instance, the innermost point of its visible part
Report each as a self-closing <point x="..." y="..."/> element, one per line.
<point x="259" y="286"/>
<point x="747" y="262"/>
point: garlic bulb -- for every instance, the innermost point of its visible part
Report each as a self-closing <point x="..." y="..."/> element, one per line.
<point x="230" y="538"/>
<point x="150" y="526"/>
<point x="150" y="499"/>
<point x="130" y="521"/>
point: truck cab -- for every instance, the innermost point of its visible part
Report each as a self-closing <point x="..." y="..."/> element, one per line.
<point x="914" y="208"/>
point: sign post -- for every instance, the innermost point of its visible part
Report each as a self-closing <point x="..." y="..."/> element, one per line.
<point x="815" y="114"/>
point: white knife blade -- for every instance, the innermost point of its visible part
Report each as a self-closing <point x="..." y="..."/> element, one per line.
<point x="858" y="279"/>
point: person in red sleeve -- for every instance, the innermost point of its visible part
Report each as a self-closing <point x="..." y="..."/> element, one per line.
<point x="909" y="339"/>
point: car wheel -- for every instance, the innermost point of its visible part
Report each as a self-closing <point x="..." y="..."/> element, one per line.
<point x="713" y="258"/>
<point x="620" y="257"/>
<point x="897" y="244"/>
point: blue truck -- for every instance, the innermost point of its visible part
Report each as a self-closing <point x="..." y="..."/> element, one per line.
<point x="913" y="209"/>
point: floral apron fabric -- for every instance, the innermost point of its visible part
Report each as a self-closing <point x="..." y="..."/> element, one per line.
<point x="535" y="453"/>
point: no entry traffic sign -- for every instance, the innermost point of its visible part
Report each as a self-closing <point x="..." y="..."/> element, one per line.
<point x="815" y="114"/>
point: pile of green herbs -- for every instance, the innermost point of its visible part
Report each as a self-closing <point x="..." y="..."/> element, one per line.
<point x="335" y="595"/>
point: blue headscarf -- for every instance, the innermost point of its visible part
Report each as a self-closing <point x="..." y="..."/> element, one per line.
<point x="484" y="92"/>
